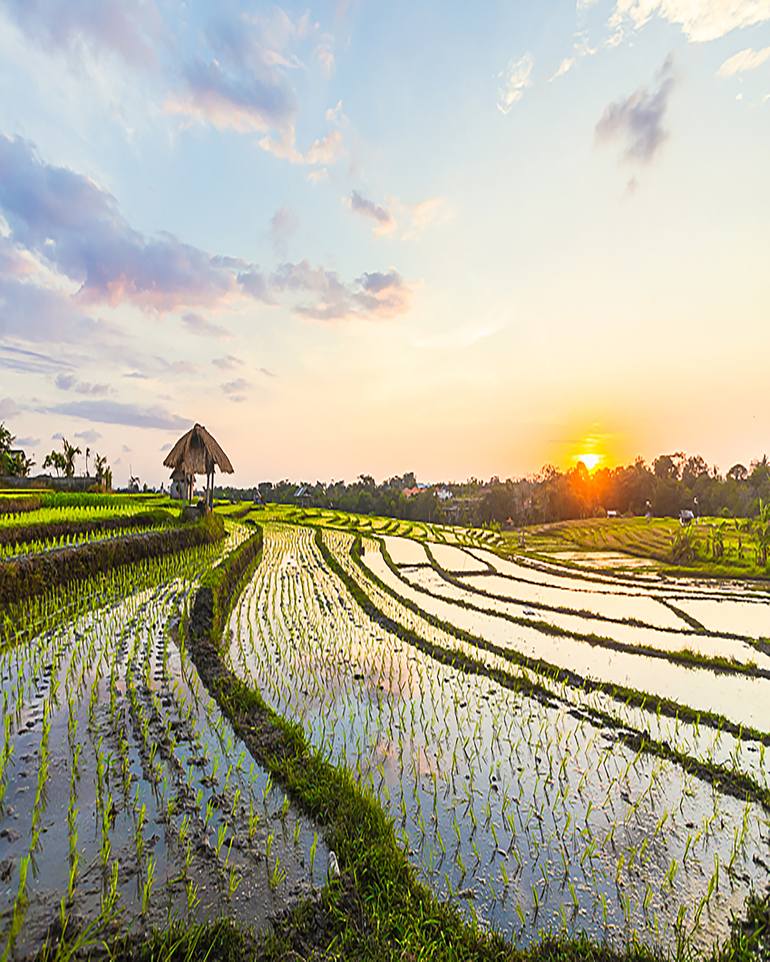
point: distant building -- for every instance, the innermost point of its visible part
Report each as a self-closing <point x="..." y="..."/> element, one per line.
<point x="686" y="516"/>
<point x="303" y="494"/>
<point x="612" y="513"/>
<point x="444" y="494"/>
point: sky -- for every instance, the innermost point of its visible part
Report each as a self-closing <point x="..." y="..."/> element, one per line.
<point x="458" y="239"/>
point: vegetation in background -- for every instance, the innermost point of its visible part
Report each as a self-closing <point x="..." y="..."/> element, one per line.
<point x="672" y="483"/>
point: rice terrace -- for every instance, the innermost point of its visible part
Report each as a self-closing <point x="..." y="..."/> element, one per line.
<point x="384" y="481"/>
<point x="350" y="733"/>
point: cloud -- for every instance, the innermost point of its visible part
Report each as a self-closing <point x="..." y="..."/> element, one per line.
<point x="283" y="225"/>
<point x="242" y="81"/>
<point x="109" y="25"/>
<point x="68" y="382"/>
<point x="90" y="436"/>
<point x="235" y="99"/>
<point x="514" y="80"/>
<point x="8" y="408"/>
<point x="318" y="176"/>
<point x="27" y="442"/>
<point x="384" y="222"/>
<point x="236" y="390"/>
<point x="325" y="55"/>
<point x="427" y="213"/>
<point x="372" y="295"/>
<point x="744" y="60"/>
<point x="76" y="228"/>
<point x="336" y="115"/>
<point x="196" y="324"/>
<point x="37" y="313"/>
<point x="33" y="362"/>
<point x="228" y="363"/>
<point x="266" y="372"/>
<point x="564" y="67"/>
<point x="637" y="121"/>
<point x="701" y="20"/>
<point x="116" y="412"/>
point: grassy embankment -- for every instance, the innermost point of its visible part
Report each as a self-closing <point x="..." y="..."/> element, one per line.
<point x="654" y="539"/>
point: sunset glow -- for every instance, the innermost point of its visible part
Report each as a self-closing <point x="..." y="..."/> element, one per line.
<point x="591" y="461"/>
<point x="336" y="288"/>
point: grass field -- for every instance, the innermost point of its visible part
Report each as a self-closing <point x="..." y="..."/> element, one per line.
<point x="719" y="547"/>
<point x="510" y="758"/>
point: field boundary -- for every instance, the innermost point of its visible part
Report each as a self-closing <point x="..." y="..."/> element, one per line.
<point x="34" y="575"/>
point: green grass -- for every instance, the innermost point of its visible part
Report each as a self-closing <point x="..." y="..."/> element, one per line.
<point x="649" y="538"/>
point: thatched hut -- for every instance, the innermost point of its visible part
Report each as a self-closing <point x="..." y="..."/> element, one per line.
<point x="197" y="452"/>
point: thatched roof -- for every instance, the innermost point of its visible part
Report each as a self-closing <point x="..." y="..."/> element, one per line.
<point x="197" y="452"/>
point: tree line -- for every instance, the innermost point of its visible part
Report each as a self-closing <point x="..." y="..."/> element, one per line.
<point x="670" y="484"/>
<point x="15" y="464"/>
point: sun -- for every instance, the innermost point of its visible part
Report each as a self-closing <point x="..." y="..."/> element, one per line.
<point x="590" y="460"/>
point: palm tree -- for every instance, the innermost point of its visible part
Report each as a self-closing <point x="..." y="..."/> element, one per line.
<point x="88" y="455"/>
<point x="55" y="460"/>
<point x="69" y="458"/>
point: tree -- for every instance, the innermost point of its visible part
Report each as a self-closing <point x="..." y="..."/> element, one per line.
<point x="69" y="458"/>
<point x="668" y="467"/>
<point x="88" y="455"/>
<point x="55" y="460"/>
<point x="103" y="472"/>
<point x="694" y="467"/>
<point x="12" y="464"/>
<point x="738" y="472"/>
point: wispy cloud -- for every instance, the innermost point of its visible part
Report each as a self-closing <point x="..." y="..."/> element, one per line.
<point x="514" y="80"/>
<point x="744" y="60"/>
<point x="228" y="363"/>
<point x="73" y="226"/>
<point x="701" y="20"/>
<point x="8" y="408"/>
<point x="201" y="326"/>
<point x="90" y="436"/>
<point x="107" y="26"/>
<point x="283" y="226"/>
<point x="237" y="389"/>
<point x="20" y="359"/>
<point x="637" y="121"/>
<point x="564" y="67"/>
<point x="383" y="220"/>
<point x="116" y="412"/>
<point x="373" y="295"/>
<point x="68" y="382"/>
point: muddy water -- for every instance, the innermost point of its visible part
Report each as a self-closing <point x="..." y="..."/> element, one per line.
<point x="528" y="816"/>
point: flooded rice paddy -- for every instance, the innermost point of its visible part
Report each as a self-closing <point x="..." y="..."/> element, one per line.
<point x="531" y="809"/>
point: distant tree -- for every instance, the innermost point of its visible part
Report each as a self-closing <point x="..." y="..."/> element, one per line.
<point x="14" y="465"/>
<point x="738" y="472"/>
<point x="55" y="460"/>
<point x="668" y="467"/>
<point x="760" y="473"/>
<point x="70" y="451"/>
<point x="694" y="468"/>
<point x="88" y="455"/>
